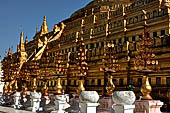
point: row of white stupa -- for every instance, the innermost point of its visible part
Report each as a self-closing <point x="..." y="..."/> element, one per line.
<point x="124" y="102"/>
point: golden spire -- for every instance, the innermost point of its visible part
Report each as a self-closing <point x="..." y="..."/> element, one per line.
<point x="45" y="23"/>
<point x="44" y="27"/>
<point x="26" y="40"/>
<point x="9" y="52"/>
<point x="22" y="47"/>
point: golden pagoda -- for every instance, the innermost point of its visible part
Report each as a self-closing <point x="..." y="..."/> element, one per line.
<point x="41" y="56"/>
<point x="44" y="27"/>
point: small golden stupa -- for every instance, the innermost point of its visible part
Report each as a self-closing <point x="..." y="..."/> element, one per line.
<point x="146" y="88"/>
<point x="58" y="86"/>
<point x="80" y="87"/>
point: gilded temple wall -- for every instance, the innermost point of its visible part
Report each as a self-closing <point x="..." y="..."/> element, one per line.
<point x="126" y="24"/>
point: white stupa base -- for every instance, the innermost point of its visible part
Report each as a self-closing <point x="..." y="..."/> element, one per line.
<point x="35" y="100"/>
<point x="60" y="103"/>
<point x="124" y="108"/>
<point x="88" y="107"/>
<point x="148" y="106"/>
<point x="17" y="100"/>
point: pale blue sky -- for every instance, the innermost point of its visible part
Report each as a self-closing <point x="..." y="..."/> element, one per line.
<point x="29" y="14"/>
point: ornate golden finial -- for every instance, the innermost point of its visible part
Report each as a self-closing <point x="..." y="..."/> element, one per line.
<point x="34" y="88"/>
<point x="59" y="87"/>
<point x="108" y="14"/>
<point x="82" y="23"/>
<point x="146" y="88"/>
<point x="107" y="30"/>
<point x="9" y="52"/>
<point x="80" y="87"/>
<point x="94" y="16"/>
<point x="92" y="11"/>
<point x="145" y="17"/>
<point x="40" y="43"/>
<point x="110" y="86"/>
<point x="91" y="33"/>
<point x="22" y="38"/>
<point x="95" y="19"/>
<point x="77" y="36"/>
<point x="63" y="26"/>
<point x="56" y="28"/>
<point x="45" y="23"/>
<point x="44" y="27"/>
<point x="22" y="46"/>
<point x="68" y="58"/>
<point x="45" y="89"/>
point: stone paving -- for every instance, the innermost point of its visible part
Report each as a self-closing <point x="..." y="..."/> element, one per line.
<point x="12" y="110"/>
